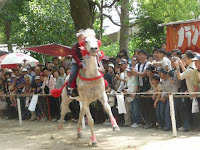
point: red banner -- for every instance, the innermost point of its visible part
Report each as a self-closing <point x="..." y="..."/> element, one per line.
<point x="184" y="37"/>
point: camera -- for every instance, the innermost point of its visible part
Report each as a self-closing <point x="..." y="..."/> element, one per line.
<point x="152" y="68"/>
<point x="171" y="73"/>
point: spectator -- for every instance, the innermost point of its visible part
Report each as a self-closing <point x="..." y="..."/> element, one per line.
<point x="68" y="72"/>
<point x="155" y="55"/>
<point x="17" y="86"/>
<point x="109" y="76"/>
<point x="27" y="91"/>
<point x="136" y="54"/>
<point x="130" y="102"/>
<point x="24" y="71"/>
<point x="196" y="85"/>
<point x="59" y="80"/>
<point x="158" y="104"/>
<point x="150" y="59"/>
<point x="63" y="75"/>
<point x="37" y="71"/>
<point x="42" y="101"/>
<point x="55" y="61"/>
<point x="143" y="86"/>
<point x="122" y="77"/>
<point x="2" y="86"/>
<point x="176" y="53"/>
<point x="187" y="74"/>
<point x="168" y="85"/>
<point x="164" y="61"/>
<point x="48" y="85"/>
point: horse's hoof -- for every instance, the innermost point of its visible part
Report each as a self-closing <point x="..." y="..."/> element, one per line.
<point x="94" y="144"/>
<point x="116" y="128"/>
<point x="79" y="135"/>
<point x="60" y="126"/>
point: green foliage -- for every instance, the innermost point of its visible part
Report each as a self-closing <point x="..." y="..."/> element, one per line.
<point x="149" y="35"/>
<point x="111" y="49"/>
<point x="169" y="10"/>
<point x="44" y="22"/>
<point x="150" y="13"/>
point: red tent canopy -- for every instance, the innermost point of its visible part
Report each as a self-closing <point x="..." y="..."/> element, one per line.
<point x="52" y="49"/>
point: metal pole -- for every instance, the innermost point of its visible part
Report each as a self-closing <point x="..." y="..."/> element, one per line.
<point x="19" y="111"/>
<point x="172" y="113"/>
<point x="83" y="119"/>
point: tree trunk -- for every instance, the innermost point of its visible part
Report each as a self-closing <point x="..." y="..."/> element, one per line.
<point x="82" y="14"/>
<point x="7" y="33"/>
<point x="124" y="31"/>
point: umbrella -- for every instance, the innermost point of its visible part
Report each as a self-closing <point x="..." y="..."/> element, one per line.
<point x="11" y="60"/>
<point x="51" y="49"/>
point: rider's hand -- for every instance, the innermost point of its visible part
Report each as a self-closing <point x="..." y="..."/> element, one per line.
<point x="84" y="69"/>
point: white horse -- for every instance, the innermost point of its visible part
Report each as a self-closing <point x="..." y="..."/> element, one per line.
<point x="89" y="91"/>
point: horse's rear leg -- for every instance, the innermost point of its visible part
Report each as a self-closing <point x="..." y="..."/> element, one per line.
<point x="64" y="109"/>
<point x="104" y="101"/>
<point x="91" y="124"/>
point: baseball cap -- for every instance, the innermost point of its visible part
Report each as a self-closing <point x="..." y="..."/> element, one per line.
<point x="111" y="65"/>
<point x="24" y="69"/>
<point x="123" y="61"/>
<point x="37" y="77"/>
<point x="9" y="80"/>
<point x="128" y="69"/>
<point x="197" y="57"/>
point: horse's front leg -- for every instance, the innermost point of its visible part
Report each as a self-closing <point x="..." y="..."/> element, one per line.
<point x="81" y="114"/>
<point x="91" y="124"/>
<point x="104" y="102"/>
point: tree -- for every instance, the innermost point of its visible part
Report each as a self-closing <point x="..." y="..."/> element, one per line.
<point x="44" y="22"/>
<point x="9" y="15"/>
<point x="150" y="13"/>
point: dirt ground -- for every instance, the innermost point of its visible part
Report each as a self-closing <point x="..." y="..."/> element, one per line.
<point x="35" y="135"/>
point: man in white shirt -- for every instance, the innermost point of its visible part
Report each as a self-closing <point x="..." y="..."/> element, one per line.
<point x="132" y="87"/>
<point x="122" y="77"/>
<point x="143" y="84"/>
<point x="187" y="74"/>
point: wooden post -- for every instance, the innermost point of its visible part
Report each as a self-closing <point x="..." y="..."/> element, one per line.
<point x="49" y="112"/>
<point x="19" y="111"/>
<point x="172" y="113"/>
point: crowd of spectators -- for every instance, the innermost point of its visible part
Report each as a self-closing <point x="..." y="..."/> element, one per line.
<point x="160" y="72"/>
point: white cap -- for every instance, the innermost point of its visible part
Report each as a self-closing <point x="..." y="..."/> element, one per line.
<point x="111" y="65"/>
<point x="24" y="69"/>
<point x="37" y="77"/>
<point x="80" y="32"/>
<point x="128" y="69"/>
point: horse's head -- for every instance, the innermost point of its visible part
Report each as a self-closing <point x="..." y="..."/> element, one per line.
<point x="91" y="45"/>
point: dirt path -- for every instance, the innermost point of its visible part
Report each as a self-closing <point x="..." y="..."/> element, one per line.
<point x="45" y="136"/>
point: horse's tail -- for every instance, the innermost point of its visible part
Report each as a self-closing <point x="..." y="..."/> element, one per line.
<point x="57" y="92"/>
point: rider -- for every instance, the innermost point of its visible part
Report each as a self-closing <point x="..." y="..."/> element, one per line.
<point x="76" y="60"/>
